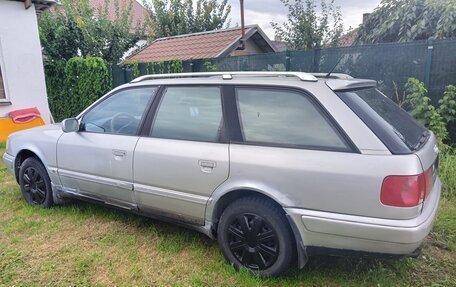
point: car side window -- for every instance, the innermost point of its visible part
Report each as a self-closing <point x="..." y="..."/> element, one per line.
<point x="189" y="113"/>
<point x="120" y="113"/>
<point x="280" y="117"/>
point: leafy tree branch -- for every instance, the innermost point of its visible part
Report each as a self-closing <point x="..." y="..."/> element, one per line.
<point x="308" y="29"/>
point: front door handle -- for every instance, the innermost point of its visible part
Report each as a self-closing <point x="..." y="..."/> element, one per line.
<point x="119" y="154"/>
<point x="207" y="166"/>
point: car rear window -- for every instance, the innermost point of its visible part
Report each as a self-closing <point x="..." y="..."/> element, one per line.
<point x="285" y="118"/>
<point x="400" y="132"/>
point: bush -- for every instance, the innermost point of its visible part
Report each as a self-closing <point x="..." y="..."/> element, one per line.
<point x="209" y="66"/>
<point x="74" y="85"/>
<point x="419" y="106"/>
<point x="55" y="79"/>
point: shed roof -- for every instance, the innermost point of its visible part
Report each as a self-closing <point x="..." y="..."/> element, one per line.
<point x="203" y="45"/>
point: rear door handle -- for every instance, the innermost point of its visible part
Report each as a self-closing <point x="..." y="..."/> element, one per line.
<point x="207" y="166"/>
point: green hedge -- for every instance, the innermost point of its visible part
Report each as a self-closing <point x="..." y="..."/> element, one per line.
<point x="74" y="85"/>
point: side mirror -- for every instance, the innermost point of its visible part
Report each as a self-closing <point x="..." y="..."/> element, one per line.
<point x="70" y="125"/>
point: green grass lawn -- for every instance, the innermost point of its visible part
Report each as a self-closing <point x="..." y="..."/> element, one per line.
<point x="88" y="245"/>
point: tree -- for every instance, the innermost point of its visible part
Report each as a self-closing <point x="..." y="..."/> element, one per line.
<point x="75" y="29"/>
<point x="177" y="17"/>
<point x="409" y="20"/>
<point x="305" y="29"/>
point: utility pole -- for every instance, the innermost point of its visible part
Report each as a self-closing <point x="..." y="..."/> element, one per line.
<point x="242" y="46"/>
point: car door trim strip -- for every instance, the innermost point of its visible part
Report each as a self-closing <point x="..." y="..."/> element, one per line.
<point x="171" y="193"/>
<point x="96" y="179"/>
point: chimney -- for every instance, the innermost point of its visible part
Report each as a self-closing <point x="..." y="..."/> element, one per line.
<point x="365" y="17"/>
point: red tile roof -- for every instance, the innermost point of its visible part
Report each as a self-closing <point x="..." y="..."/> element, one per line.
<point x="202" y="45"/>
<point x="139" y="13"/>
<point x="280" y="45"/>
<point x="348" y="39"/>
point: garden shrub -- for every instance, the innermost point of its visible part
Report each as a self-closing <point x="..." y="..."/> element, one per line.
<point x="447" y="108"/>
<point x="418" y="104"/>
<point x="210" y="66"/>
<point x="175" y="66"/>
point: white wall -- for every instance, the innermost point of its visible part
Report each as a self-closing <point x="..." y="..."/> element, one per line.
<point x="21" y="60"/>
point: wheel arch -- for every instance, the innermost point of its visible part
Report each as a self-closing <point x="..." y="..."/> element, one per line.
<point x="21" y="156"/>
<point x="217" y="206"/>
<point x="224" y="200"/>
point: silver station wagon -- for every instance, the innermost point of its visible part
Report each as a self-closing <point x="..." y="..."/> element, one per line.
<point x="277" y="166"/>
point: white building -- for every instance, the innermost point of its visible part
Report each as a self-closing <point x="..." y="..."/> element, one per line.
<point x="22" y="83"/>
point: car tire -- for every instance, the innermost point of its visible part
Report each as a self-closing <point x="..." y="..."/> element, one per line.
<point x="35" y="183"/>
<point x="254" y="233"/>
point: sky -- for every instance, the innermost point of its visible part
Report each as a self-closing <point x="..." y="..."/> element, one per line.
<point x="262" y="12"/>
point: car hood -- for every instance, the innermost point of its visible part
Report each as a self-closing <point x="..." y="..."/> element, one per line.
<point x="54" y="129"/>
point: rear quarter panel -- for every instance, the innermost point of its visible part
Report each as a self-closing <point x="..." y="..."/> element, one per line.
<point x="339" y="182"/>
<point x="429" y="152"/>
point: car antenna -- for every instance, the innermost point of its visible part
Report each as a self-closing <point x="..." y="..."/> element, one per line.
<point x="333" y="68"/>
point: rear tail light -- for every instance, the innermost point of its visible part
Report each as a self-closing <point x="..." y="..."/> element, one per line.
<point x="429" y="179"/>
<point x="406" y="190"/>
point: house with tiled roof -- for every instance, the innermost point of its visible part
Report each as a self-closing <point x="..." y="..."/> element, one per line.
<point x="205" y="45"/>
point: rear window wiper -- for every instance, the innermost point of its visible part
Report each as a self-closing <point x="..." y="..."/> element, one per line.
<point x="422" y="140"/>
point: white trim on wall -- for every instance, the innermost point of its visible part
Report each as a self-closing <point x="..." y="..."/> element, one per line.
<point x="5" y="100"/>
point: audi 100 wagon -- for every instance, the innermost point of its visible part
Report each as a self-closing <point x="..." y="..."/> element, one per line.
<point x="277" y="166"/>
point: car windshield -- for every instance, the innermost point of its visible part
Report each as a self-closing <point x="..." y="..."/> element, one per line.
<point x="399" y="122"/>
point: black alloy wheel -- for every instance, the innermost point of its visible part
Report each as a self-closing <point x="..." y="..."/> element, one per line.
<point x="254" y="233"/>
<point x="35" y="183"/>
<point x="253" y="242"/>
<point x="34" y="186"/>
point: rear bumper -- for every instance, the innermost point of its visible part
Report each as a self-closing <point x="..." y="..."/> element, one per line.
<point x="9" y="162"/>
<point x="366" y="234"/>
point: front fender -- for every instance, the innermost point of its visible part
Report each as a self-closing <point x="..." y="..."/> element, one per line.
<point x="42" y="142"/>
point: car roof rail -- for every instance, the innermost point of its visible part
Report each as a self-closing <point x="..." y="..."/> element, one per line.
<point x="228" y="75"/>
<point x="340" y="76"/>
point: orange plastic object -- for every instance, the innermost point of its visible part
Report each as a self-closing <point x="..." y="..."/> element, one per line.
<point x="8" y="126"/>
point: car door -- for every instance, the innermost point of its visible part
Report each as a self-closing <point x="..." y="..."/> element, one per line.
<point x="97" y="161"/>
<point x="182" y="158"/>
